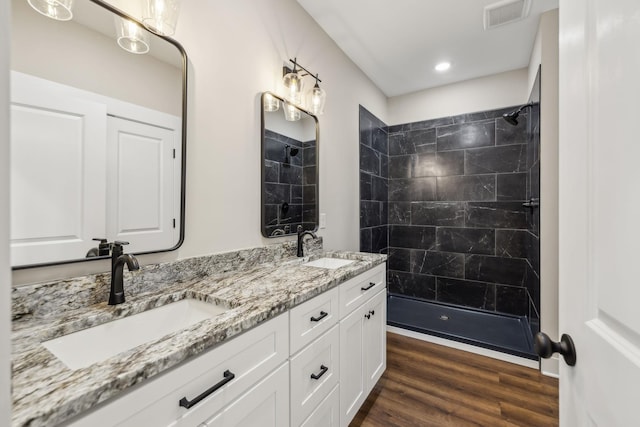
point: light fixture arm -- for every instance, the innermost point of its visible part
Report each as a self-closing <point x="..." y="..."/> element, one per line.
<point x="296" y="64"/>
<point x="524" y="106"/>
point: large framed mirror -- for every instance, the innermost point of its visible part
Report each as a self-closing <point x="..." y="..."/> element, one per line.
<point x="290" y="139"/>
<point x="98" y="136"/>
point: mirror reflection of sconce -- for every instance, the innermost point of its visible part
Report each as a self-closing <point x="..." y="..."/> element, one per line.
<point x="130" y="36"/>
<point x="60" y="10"/>
<point x="294" y="84"/>
<point x="161" y="16"/>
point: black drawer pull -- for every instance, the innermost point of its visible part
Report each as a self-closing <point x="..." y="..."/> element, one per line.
<point x="186" y="403"/>
<point x="319" y="318"/>
<point x="368" y="315"/>
<point x="323" y="370"/>
<point x="371" y="285"/>
<point x="372" y="312"/>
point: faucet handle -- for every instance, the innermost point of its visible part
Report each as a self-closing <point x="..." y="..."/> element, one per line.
<point x="120" y="243"/>
<point x="299" y="229"/>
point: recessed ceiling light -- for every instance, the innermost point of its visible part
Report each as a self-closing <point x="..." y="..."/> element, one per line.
<point x="443" y="66"/>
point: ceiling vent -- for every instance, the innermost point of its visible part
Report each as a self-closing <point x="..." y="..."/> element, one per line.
<point x="505" y="12"/>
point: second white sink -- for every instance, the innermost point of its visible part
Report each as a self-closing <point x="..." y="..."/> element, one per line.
<point x="84" y="348"/>
<point x="330" y="263"/>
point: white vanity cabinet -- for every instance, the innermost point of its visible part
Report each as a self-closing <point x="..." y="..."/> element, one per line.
<point x="249" y="358"/>
<point x="313" y="366"/>
<point x="363" y="346"/>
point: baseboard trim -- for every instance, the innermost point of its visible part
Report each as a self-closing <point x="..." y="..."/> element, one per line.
<point x="466" y="347"/>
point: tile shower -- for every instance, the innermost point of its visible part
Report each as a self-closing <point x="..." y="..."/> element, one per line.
<point x="449" y="194"/>
<point x="290" y="174"/>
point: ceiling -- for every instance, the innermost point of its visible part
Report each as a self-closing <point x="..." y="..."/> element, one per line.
<point x="397" y="43"/>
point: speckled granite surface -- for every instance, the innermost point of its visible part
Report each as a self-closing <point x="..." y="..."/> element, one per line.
<point x="255" y="284"/>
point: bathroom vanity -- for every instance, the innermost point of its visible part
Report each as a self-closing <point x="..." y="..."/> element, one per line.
<point x="296" y="341"/>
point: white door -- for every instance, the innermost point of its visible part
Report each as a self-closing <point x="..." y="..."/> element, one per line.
<point x="375" y="340"/>
<point x="600" y="210"/>
<point x="352" y="377"/>
<point x="140" y="185"/>
<point x="57" y="174"/>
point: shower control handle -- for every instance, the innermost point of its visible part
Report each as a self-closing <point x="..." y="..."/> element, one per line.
<point x="545" y="347"/>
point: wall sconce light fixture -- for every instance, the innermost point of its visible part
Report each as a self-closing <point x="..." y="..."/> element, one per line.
<point x="131" y="37"/>
<point x="161" y="16"/>
<point x="60" y="10"/>
<point x="271" y="103"/>
<point x="291" y="112"/>
<point x="294" y="85"/>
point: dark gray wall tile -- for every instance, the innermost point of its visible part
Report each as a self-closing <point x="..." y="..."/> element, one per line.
<point x="365" y="240"/>
<point x="512" y="300"/>
<point x="437" y="263"/>
<point x="291" y="215"/>
<point x="365" y="186"/>
<point x="417" y="237"/>
<point x="370" y="214"/>
<point x="424" y="165"/>
<point x="399" y="212"/>
<point x="399" y="259"/>
<point x="460" y="188"/>
<point x="384" y="166"/>
<point x="466" y="240"/>
<point x="271" y="171"/>
<point x="512" y="243"/>
<point x="511" y="186"/>
<point x="504" y="158"/>
<point x="413" y="285"/>
<point x="271" y="214"/>
<point x="438" y="213"/>
<point x="369" y="160"/>
<point x="380" y="141"/>
<point x="309" y="194"/>
<point x="496" y="215"/>
<point x="309" y="175"/>
<point x="421" y="141"/>
<point x="400" y="167"/>
<point x="467" y="293"/>
<point x="297" y="194"/>
<point x="379" y="189"/>
<point x="507" y="271"/>
<point x="417" y="189"/>
<point x="379" y="240"/>
<point x="290" y="174"/>
<point x="277" y="193"/>
<point x="466" y="135"/>
<point x="450" y="163"/>
<point x="509" y="134"/>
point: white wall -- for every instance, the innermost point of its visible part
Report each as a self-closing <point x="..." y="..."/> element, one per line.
<point x="5" y="271"/>
<point x="484" y="93"/>
<point x="237" y="49"/>
<point x="546" y="53"/>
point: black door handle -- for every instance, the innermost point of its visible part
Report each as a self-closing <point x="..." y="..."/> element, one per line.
<point x="186" y="403"/>
<point x="371" y="285"/>
<point x="544" y="347"/>
<point x="323" y="370"/>
<point x="323" y="314"/>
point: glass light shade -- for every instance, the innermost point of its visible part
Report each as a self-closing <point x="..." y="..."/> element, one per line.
<point x="317" y="98"/>
<point x="60" y="10"/>
<point x="291" y="113"/>
<point x="161" y="16"/>
<point x="293" y="85"/>
<point x="271" y="103"/>
<point x="131" y="37"/>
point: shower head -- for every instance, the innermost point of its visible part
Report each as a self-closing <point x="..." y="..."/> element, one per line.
<point x="293" y="151"/>
<point x="512" y="117"/>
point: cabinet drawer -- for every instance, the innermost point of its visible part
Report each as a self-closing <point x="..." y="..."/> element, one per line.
<point x="327" y="414"/>
<point x="315" y="371"/>
<point x="354" y="292"/>
<point x="265" y="405"/>
<point x="311" y="319"/>
<point x="249" y="357"/>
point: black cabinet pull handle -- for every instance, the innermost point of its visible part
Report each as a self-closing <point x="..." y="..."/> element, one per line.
<point x="323" y="370"/>
<point x="372" y="312"/>
<point x="186" y="403"/>
<point x="371" y="285"/>
<point x="319" y="318"/>
<point x="368" y="316"/>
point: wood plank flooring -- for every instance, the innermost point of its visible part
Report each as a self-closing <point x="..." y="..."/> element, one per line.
<point x="430" y="385"/>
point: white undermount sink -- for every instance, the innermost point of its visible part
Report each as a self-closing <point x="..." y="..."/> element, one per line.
<point x="84" y="348"/>
<point x="330" y="263"/>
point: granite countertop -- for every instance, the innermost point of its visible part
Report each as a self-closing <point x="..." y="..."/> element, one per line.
<point x="46" y="392"/>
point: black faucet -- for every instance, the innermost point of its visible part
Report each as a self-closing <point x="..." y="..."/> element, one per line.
<point x="301" y="235"/>
<point x="118" y="260"/>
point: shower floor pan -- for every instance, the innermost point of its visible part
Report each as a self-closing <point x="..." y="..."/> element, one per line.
<point x="501" y="332"/>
